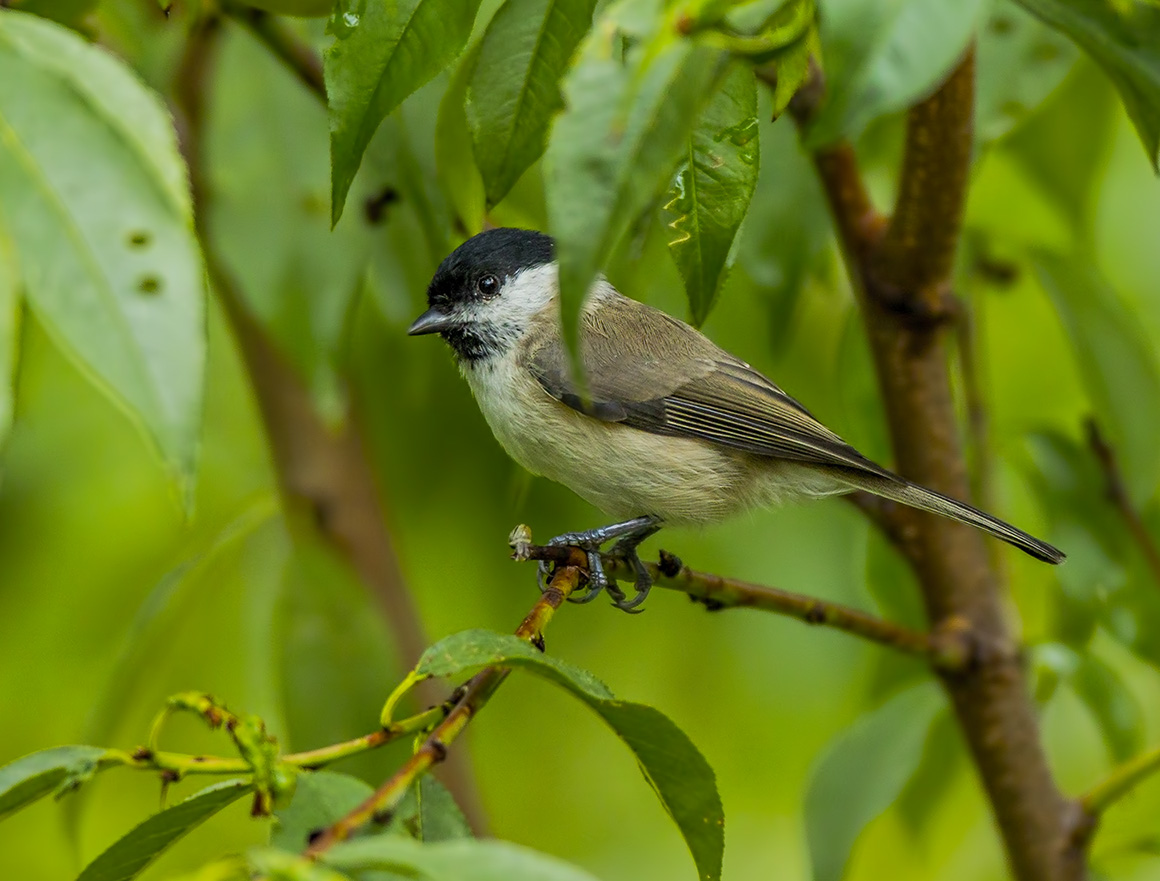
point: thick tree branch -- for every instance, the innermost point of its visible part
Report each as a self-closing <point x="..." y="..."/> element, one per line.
<point x="1118" y="495"/>
<point x="324" y="475"/>
<point x="947" y="651"/>
<point x="380" y="805"/>
<point x="902" y="279"/>
<point x="917" y="253"/>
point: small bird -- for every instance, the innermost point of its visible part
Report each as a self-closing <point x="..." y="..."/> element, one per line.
<point x="672" y="430"/>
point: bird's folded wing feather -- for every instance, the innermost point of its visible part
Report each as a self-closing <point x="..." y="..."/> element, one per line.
<point x="649" y="371"/>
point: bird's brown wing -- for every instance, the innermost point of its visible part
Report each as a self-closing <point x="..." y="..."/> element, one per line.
<point x="647" y="370"/>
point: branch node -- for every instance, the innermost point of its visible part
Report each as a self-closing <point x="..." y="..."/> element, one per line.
<point x="711" y="605"/>
<point x="669" y="564"/>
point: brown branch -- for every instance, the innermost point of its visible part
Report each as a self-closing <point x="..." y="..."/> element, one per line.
<point x="297" y="55"/>
<point x="326" y="481"/>
<point x="1118" y="495"/>
<point x="902" y="279"/>
<point x="947" y="651"/>
<point x="917" y="253"/>
<point x="379" y="806"/>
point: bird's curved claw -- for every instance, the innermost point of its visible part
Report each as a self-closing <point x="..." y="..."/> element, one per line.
<point x="628" y="534"/>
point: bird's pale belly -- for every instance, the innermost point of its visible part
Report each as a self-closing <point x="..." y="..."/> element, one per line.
<point x="624" y="471"/>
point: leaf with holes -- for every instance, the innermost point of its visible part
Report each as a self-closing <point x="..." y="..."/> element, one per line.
<point x="713" y="187"/>
<point x="674" y="767"/>
<point x="382" y="53"/>
<point x="94" y="197"/>
<point x="514" y="87"/>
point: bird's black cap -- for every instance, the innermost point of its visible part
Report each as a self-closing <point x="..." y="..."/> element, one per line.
<point x="502" y="252"/>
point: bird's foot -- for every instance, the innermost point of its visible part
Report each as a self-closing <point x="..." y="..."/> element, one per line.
<point x="629" y="535"/>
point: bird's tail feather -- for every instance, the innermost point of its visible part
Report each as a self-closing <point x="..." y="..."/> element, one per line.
<point x="924" y="499"/>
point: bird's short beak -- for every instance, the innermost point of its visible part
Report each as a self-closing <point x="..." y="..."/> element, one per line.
<point x="431" y="321"/>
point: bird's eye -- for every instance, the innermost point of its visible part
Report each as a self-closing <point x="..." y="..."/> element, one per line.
<point x="488" y="286"/>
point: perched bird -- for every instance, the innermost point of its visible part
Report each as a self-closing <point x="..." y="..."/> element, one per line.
<point x="672" y="430"/>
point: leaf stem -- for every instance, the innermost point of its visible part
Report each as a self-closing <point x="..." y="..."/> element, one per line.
<point x="181" y="764"/>
<point x="474" y="695"/>
<point x="1120" y="781"/>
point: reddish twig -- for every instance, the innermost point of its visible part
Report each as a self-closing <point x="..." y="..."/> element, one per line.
<point x="382" y="803"/>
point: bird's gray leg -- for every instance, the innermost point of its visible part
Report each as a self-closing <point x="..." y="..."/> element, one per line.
<point x="630" y="534"/>
<point x="626" y="550"/>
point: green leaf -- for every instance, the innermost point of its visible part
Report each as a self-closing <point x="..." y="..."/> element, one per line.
<point x="462" y="860"/>
<point x="130" y="855"/>
<point x="439" y="817"/>
<point x="36" y="775"/>
<point x="883" y="55"/>
<point x="632" y="99"/>
<point x="1117" y="362"/>
<point x="514" y="86"/>
<point x="1021" y="61"/>
<point x="1067" y="170"/>
<point x="458" y="173"/>
<point x="713" y="187"/>
<point x="94" y="196"/>
<point x="1124" y="39"/>
<point x="792" y="65"/>
<point x="272" y="864"/>
<point x="787" y="231"/>
<point x="335" y="653"/>
<point x="383" y="52"/>
<point x="1093" y="582"/>
<point x="1115" y="708"/>
<point x="10" y="312"/>
<point x="66" y="12"/>
<point x="674" y="767"/>
<point x="862" y="772"/>
<point x="320" y="798"/>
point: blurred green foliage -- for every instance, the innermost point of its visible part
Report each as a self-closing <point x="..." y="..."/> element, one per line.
<point x="115" y="593"/>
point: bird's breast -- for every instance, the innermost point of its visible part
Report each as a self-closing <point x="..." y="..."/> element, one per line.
<point x="624" y="471"/>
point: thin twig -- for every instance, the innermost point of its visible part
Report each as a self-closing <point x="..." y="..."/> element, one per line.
<point x="181" y="764"/>
<point x="947" y="651"/>
<point x="299" y="56"/>
<point x="380" y="805"/>
<point x="1118" y="495"/>
<point x="1120" y="781"/>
